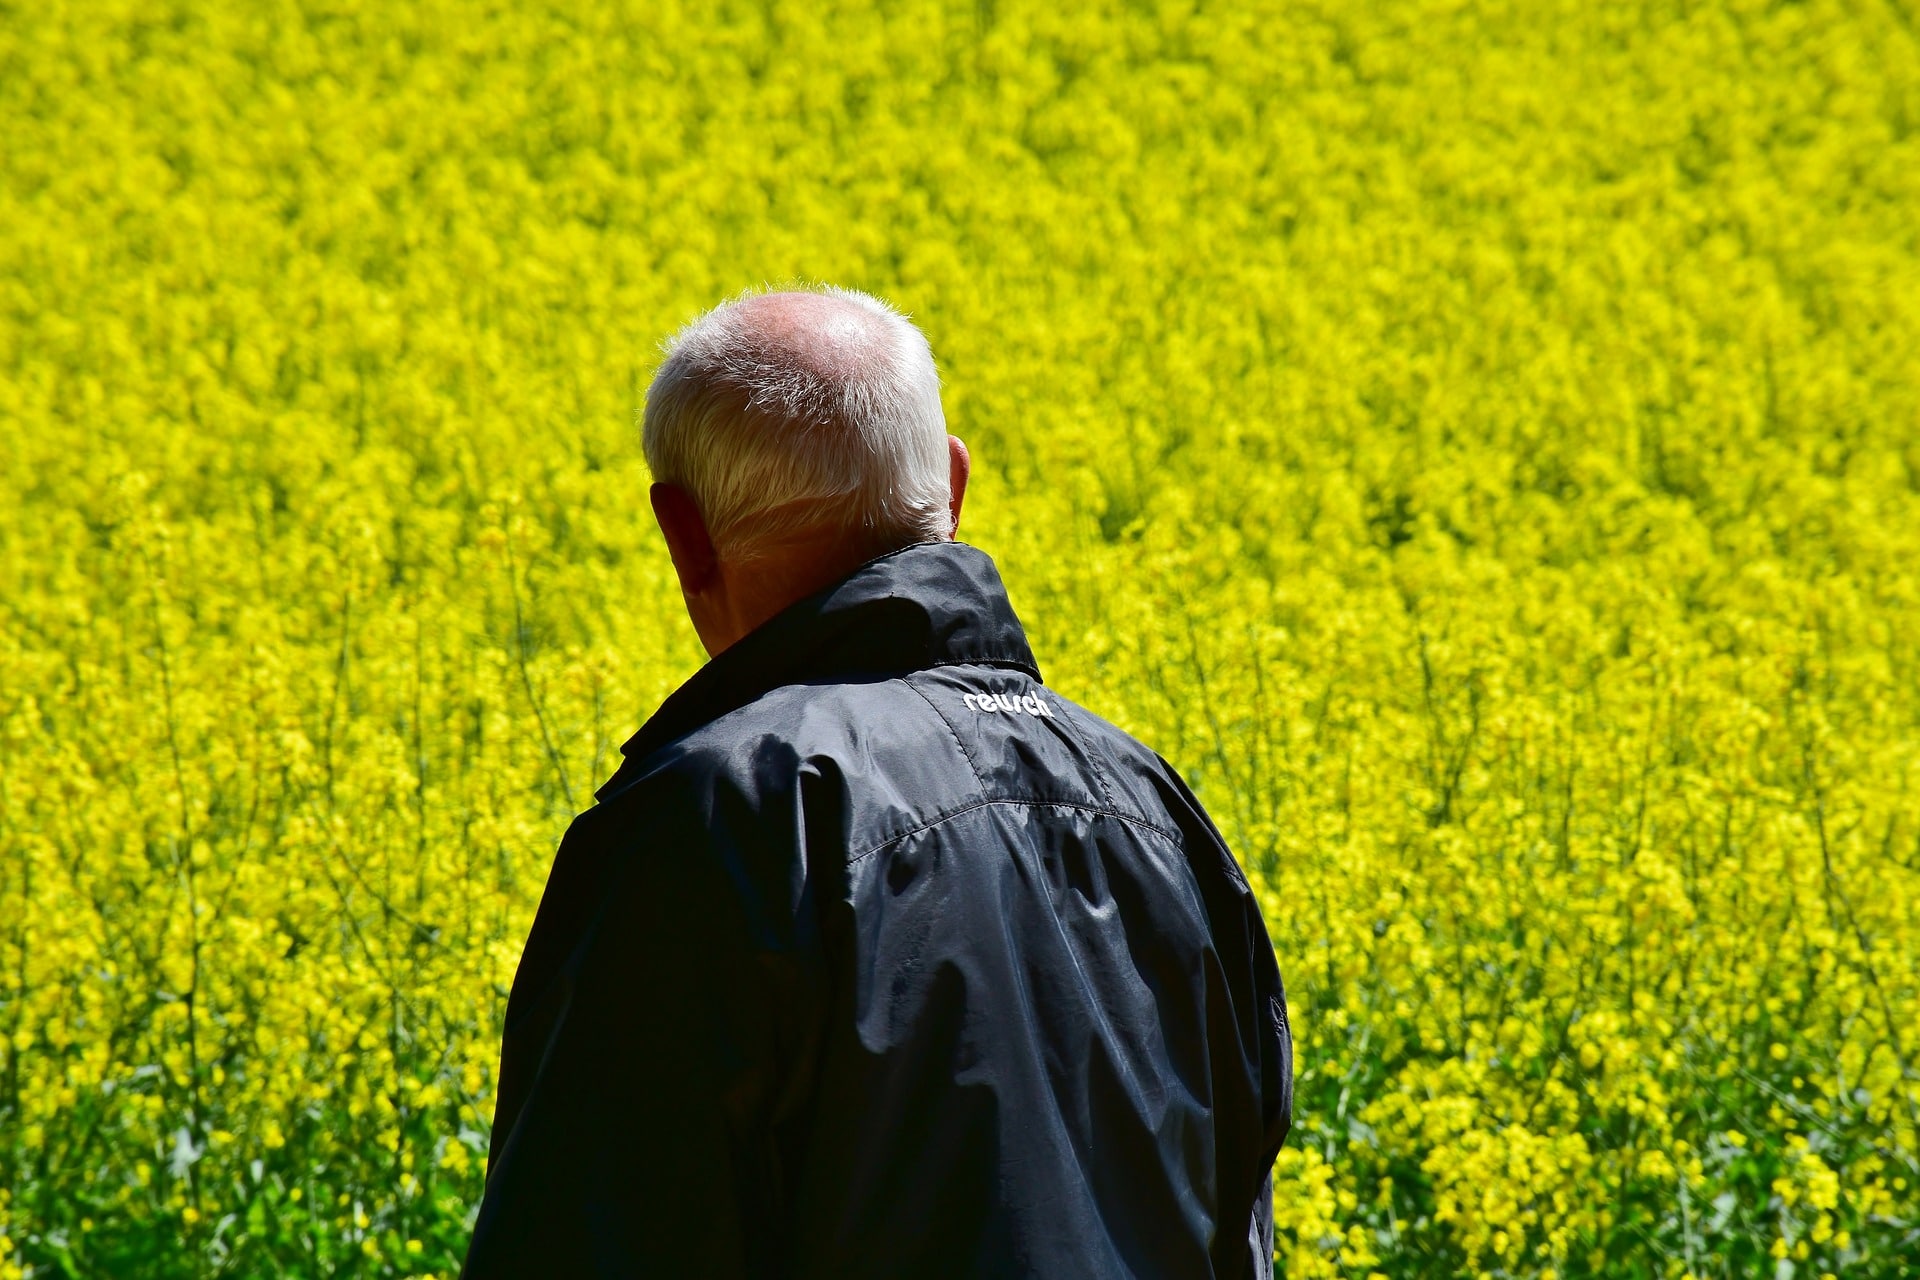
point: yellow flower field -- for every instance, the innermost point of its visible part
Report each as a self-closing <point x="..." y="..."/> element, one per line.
<point x="1479" y="443"/>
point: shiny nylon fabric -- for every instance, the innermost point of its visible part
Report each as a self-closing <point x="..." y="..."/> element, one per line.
<point x="877" y="958"/>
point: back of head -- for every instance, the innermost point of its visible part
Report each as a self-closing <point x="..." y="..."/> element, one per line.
<point x="786" y="415"/>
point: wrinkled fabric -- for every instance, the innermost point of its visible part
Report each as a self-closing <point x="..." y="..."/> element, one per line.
<point x="878" y="958"/>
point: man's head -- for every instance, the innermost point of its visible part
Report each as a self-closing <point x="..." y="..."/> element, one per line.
<point x="793" y="436"/>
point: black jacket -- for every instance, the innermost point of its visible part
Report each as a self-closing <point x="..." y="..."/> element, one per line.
<point x="877" y="958"/>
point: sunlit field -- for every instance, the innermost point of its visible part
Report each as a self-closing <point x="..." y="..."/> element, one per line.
<point x="1478" y="444"/>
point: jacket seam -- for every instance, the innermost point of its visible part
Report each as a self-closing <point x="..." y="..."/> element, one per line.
<point x="1131" y="819"/>
<point x="1093" y="762"/>
<point x="951" y="731"/>
<point x="985" y="660"/>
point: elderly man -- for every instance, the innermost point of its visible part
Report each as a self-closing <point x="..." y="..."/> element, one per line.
<point x="876" y="958"/>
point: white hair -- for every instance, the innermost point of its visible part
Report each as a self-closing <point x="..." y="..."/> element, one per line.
<point x="785" y="412"/>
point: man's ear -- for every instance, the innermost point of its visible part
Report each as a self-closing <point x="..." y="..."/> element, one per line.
<point x="959" y="467"/>
<point x="688" y="542"/>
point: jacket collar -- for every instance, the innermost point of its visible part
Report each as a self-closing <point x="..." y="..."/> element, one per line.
<point x="929" y="605"/>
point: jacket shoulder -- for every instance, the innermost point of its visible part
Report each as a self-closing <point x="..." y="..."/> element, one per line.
<point x="1156" y="789"/>
<point x="844" y="762"/>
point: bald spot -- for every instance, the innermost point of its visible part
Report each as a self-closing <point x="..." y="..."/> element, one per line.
<point x="817" y="335"/>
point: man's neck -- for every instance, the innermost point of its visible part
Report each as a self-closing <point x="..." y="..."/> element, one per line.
<point x="752" y="589"/>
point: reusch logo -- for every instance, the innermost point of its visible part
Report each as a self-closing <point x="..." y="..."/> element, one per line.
<point x="1031" y="703"/>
